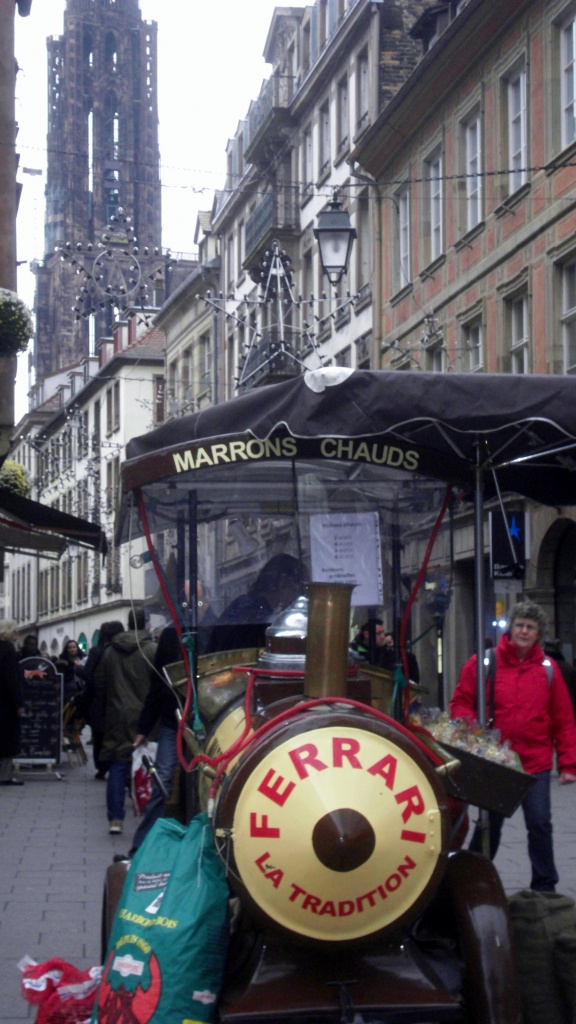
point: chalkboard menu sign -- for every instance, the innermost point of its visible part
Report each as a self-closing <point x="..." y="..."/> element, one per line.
<point x="41" y="725"/>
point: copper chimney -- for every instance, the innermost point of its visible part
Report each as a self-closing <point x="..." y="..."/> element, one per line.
<point x="326" y="670"/>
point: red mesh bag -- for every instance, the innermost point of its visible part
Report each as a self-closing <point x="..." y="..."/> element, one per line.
<point x="62" y="993"/>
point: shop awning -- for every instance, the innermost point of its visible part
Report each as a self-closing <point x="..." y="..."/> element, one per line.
<point x="31" y="526"/>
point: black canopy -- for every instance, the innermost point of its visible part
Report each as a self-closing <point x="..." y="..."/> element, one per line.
<point x="27" y="525"/>
<point x="519" y="431"/>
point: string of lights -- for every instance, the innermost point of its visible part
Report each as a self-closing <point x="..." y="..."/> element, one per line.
<point x="298" y="184"/>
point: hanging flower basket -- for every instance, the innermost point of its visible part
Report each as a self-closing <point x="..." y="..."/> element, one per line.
<point x="16" y="326"/>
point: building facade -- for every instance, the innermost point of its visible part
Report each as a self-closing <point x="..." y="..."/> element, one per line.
<point x="9" y="196"/>
<point x="331" y="63"/>
<point x="473" y="166"/>
<point x="72" y="443"/>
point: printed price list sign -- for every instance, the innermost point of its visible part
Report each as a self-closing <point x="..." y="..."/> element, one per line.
<point x="345" y="548"/>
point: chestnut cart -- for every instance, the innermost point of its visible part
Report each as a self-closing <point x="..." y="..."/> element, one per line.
<point x="333" y="815"/>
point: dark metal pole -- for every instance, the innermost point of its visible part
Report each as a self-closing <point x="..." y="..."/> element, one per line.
<point x="484" y="821"/>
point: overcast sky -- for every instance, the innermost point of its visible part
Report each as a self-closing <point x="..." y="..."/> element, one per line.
<point x="210" y="66"/>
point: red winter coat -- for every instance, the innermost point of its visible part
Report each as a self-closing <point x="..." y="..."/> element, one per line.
<point x="534" y="715"/>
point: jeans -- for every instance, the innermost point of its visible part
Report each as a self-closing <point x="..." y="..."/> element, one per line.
<point x="119" y="774"/>
<point x="166" y="764"/>
<point x="537" y="810"/>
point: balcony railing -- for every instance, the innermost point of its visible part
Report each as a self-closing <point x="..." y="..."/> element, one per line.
<point x="272" y="358"/>
<point x="274" y="217"/>
<point x="268" y="116"/>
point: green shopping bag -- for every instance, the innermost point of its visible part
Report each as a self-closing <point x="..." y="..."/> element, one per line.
<point x="167" y="950"/>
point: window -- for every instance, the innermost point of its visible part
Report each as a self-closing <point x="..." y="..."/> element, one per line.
<point x="67" y="583"/>
<point x="55" y="458"/>
<point x="231" y="367"/>
<point x="322" y="23"/>
<point x="403" y="229"/>
<point x="364" y="245"/>
<point x="112" y="483"/>
<point x="67" y="448"/>
<point x="230" y="269"/>
<point x="433" y="206"/>
<point x="472" y="167"/>
<point x="171" y="391"/>
<point x="324" y="140"/>
<point x="113" y="581"/>
<point x="42" y="593"/>
<point x="518" y="333"/>
<point x="344" y="357"/>
<point x="55" y="588"/>
<point x="362" y="94"/>
<point x="83" y="501"/>
<point x="569" y="317"/>
<point x="363" y="353"/>
<point x="185" y="373"/>
<point x="516" y="128"/>
<point x="205" y="356"/>
<point x="83" y="435"/>
<point x="342" y="114"/>
<point x="82" y="577"/>
<point x="472" y="356"/>
<point x="433" y="357"/>
<point x="240" y="250"/>
<point x="111" y="128"/>
<point x="568" y="81"/>
<point x="109" y="411"/>
<point x="307" y="287"/>
<point x="306" y="48"/>
<point x="307" y="162"/>
<point x="96" y="431"/>
<point x="159" y="391"/>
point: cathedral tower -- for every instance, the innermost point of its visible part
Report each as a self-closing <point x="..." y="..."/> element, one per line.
<point x="103" y="168"/>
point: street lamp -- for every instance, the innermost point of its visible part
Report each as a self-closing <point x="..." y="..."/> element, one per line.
<point x="335" y="236"/>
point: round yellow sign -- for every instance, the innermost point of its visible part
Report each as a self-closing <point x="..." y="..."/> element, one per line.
<point x="336" y="833"/>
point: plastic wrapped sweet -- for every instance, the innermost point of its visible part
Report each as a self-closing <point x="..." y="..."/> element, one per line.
<point x="467" y="734"/>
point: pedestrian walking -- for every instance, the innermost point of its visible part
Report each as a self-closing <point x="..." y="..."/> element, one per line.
<point x="528" y="702"/>
<point x="94" y="702"/>
<point x="122" y="679"/>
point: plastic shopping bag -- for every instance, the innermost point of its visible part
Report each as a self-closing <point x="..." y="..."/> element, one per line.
<point x="142" y="782"/>
<point x="167" y="950"/>
<point x="63" y="993"/>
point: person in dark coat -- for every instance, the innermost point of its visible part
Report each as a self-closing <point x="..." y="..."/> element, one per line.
<point x="30" y="647"/>
<point x="383" y="654"/>
<point x="11" y="703"/>
<point x="93" y="702"/>
<point x="68" y="664"/>
<point x="123" y="679"/>
<point x="244" y="622"/>
<point x="160" y="709"/>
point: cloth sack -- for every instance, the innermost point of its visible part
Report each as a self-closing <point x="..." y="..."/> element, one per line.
<point x="565" y="968"/>
<point x="538" y="919"/>
<point x="169" y="940"/>
<point x="142" y="783"/>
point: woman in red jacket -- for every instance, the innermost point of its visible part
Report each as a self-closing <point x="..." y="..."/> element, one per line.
<point x="532" y="709"/>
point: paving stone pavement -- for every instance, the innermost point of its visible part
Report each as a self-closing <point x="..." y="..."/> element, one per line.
<point x="55" y="849"/>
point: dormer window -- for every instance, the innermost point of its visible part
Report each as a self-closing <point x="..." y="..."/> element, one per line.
<point x="434" y="21"/>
